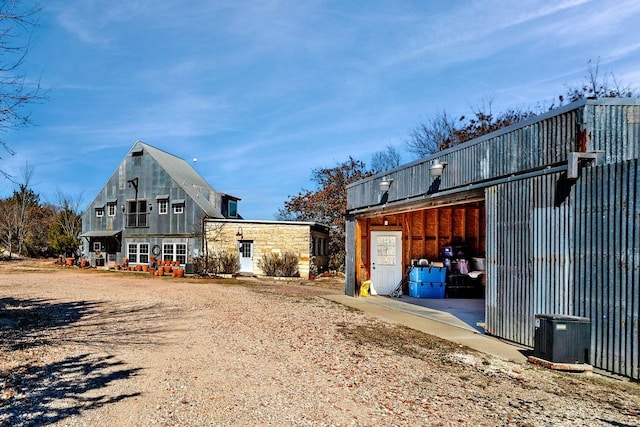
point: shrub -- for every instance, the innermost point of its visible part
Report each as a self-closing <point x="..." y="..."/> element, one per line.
<point x="229" y="262"/>
<point x="221" y="262"/>
<point x="269" y="264"/>
<point x="280" y="266"/>
<point x="204" y="265"/>
<point x="289" y="266"/>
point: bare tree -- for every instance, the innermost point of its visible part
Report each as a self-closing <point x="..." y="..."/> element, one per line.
<point x="64" y="234"/>
<point x="597" y="85"/>
<point x="442" y="132"/>
<point x="17" y="23"/>
<point x="432" y="136"/>
<point x="8" y="219"/>
<point x="26" y="201"/>
<point x="386" y="159"/>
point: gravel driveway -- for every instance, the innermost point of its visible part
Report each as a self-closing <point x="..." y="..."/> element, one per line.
<point x="94" y="348"/>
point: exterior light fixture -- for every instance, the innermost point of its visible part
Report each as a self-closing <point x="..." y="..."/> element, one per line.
<point x="385" y="184"/>
<point x="240" y="236"/>
<point x="133" y="183"/>
<point x="436" y="168"/>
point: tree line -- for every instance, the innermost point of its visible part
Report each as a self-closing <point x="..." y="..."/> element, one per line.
<point x="33" y="228"/>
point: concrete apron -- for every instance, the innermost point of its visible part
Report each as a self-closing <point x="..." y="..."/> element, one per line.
<point x="434" y="322"/>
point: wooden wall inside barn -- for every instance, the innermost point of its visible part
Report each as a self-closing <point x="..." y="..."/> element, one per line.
<point x="425" y="233"/>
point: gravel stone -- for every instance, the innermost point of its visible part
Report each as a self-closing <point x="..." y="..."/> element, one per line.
<point x="89" y="348"/>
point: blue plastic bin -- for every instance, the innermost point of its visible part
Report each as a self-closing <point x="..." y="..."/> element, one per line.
<point x="426" y="289"/>
<point x="428" y="274"/>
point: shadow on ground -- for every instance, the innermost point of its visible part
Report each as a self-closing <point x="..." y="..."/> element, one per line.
<point x="23" y="322"/>
<point x="41" y="395"/>
<point x="30" y="323"/>
<point x="35" y="390"/>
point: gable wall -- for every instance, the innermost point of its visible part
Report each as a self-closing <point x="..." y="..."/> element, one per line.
<point x="152" y="181"/>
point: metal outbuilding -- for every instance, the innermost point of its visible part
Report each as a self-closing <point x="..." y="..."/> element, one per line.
<point x="551" y="207"/>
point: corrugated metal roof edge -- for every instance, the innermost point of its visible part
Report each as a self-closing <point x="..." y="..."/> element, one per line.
<point x="456" y="192"/>
<point x="100" y="233"/>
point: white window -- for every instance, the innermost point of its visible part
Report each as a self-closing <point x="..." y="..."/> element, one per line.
<point x="178" y="208"/>
<point x="174" y="252"/>
<point x="163" y="206"/>
<point x="167" y="252"/>
<point x="97" y="246"/>
<point x="181" y="253"/>
<point x="111" y="209"/>
<point x="138" y="253"/>
<point x="99" y="212"/>
<point x="132" y="253"/>
<point x="143" y="250"/>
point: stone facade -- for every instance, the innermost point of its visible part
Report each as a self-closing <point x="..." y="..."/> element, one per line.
<point x="305" y="239"/>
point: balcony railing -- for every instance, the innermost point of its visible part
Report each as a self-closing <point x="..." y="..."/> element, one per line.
<point x="138" y="220"/>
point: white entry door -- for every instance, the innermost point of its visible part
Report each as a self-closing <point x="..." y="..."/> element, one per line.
<point x="246" y="256"/>
<point x="386" y="260"/>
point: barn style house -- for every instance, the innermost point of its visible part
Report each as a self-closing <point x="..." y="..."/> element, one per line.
<point x="547" y="211"/>
<point x="156" y="205"/>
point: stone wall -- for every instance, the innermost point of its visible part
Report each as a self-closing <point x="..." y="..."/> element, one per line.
<point x="267" y="238"/>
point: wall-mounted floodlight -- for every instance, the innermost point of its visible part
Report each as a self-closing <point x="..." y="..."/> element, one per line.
<point x="385" y="184"/>
<point x="436" y="168"/>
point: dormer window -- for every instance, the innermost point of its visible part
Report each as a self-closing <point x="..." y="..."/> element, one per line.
<point x="232" y="208"/>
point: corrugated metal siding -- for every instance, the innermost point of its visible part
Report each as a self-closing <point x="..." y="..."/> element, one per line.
<point x="614" y="129"/>
<point x="350" y="262"/>
<point x="607" y="270"/>
<point x="529" y="230"/>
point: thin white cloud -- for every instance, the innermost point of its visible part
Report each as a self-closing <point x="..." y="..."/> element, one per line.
<point x="263" y="91"/>
<point x="89" y="21"/>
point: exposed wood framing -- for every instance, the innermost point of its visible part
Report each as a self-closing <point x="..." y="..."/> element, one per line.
<point x="425" y="232"/>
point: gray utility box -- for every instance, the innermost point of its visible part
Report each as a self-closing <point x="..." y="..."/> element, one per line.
<point x="562" y="339"/>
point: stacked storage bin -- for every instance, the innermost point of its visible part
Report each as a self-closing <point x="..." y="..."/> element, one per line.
<point x="427" y="282"/>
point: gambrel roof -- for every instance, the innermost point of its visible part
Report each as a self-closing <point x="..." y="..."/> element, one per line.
<point x="185" y="176"/>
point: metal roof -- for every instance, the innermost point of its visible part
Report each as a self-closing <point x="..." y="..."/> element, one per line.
<point x="101" y="233"/>
<point x="185" y="176"/>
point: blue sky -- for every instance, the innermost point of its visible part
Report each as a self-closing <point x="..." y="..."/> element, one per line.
<point x="262" y="92"/>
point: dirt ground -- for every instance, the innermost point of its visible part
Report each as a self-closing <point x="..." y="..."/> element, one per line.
<point x="93" y="348"/>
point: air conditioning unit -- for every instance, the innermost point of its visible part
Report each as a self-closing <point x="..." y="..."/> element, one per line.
<point x="562" y="339"/>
